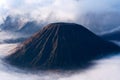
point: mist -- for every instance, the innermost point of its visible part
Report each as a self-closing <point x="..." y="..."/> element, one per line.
<point x="105" y="69"/>
<point x="97" y="15"/>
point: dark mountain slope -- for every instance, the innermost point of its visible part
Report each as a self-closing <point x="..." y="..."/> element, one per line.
<point x="60" y="45"/>
<point x="112" y="36"/>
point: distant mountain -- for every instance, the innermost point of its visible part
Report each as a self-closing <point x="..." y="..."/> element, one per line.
<point x="113" y="35"/>
<point x="30" y="28"/>
<point x="11" y="24"/>
<point x="16" y="24"/>
<point x="99" y="23"/>
<point x="60" y="45"/>
<point x="17" y="40"/>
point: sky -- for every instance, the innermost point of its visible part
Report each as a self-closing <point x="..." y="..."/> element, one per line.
<point x="59" y="10"/>
<point x="39" y="9"/>
<point x="62" y="9"/>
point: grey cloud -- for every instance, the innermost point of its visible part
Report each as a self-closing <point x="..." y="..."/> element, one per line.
<point x="78" y="11"/>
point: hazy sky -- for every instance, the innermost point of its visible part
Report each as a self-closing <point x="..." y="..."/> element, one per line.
<point x="62" y="9"/>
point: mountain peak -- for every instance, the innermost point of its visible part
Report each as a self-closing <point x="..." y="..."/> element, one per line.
<point x="60" y="45"/>
<point x="65" y="25"/>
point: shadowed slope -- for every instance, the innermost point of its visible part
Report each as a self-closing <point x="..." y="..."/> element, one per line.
<point x="112" y="36"/>
<point x="60" y="45"/>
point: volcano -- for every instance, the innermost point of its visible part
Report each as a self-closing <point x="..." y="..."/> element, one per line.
<point x="60" y="45"/>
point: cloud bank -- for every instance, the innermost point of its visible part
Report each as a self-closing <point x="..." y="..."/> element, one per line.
<point x="84" y="12"/>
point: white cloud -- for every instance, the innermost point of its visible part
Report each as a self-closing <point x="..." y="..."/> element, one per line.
<point x="59" y="10"/>
<point x="62" y="8"/>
